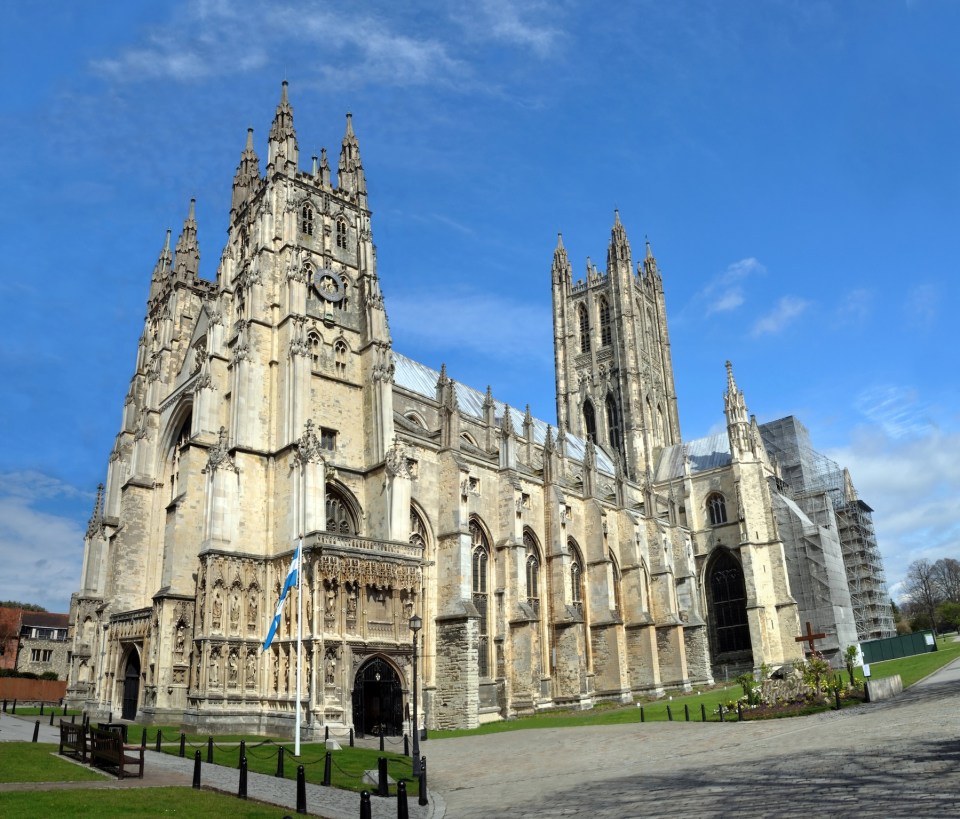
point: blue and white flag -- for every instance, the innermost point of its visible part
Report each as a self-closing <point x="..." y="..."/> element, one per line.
<point x="287" y="585"/>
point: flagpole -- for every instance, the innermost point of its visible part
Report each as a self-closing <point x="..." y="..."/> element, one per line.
<point x="296" y="748"/>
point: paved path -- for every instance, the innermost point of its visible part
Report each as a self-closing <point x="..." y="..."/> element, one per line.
<point x="898" y="758"/>
<point x="162" y="770"/>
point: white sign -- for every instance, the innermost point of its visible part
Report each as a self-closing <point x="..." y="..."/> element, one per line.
<point x="928" y="638"/>
<point x="866" y="669"/>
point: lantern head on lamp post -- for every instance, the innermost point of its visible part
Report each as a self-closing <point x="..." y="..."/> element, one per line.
<point x="416" y="623"/>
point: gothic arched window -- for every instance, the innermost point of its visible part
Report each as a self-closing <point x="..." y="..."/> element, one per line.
<point x="339" y="516"/>
<point x="533" y="572"/>
<point x="584" y="322"/>
<point x="341" y="232"/>
<point x="614" y="427"/>
<point x="717" y="509"/>
<point x="313" y="344"/>
<point x="615" y="571"/>
<point x="576" y="576"/>
<point x="589" y="422"/>
<point x="728" y="600"/>
<point x="604" y="323"/>
<point x="179" y="441"/>
<point x="340" y="358"/>
<point x="481" y="598"/>
<point x="306" y="220"/>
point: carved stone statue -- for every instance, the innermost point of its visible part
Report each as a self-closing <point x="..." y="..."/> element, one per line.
<point x="214" y="680"/>
<point x="331" y="600"/>
<point x="251" y="670"/>
<point x="331" y="675"/>
<point x="233" y="667"/>
<point x="234" y="611"/>
<point x="179" y="642"/>
<point x="217" y="618"/>
<point x="253" y="604"/>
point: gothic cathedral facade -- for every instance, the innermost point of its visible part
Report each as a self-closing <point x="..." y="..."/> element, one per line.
<point x="599" y="558"/>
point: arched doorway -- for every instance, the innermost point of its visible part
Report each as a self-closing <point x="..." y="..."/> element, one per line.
<point x="728" y="605"/>
<point x="377" y="699"/>
<point x="131" y="685"/>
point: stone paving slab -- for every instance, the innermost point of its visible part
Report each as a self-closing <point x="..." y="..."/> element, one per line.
<point x="897" y="758"/>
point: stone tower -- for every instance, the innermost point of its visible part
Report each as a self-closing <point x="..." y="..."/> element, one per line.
<point x="612" y="355"/>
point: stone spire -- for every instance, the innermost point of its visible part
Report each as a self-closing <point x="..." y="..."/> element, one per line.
<point x="350" y="178"/>
<point x="187" y="257"/>
<point x="738" y="420"/>
<point x="619" y="248"/>
<point x="324" y="168"/>
<point x="247" y="175"/>
<point x="161" y="270"/>
<point x="562" y="272"/>
<point x="283" y="154"/>
<point x="95" y="524"/>
<point x="650" y="270"/>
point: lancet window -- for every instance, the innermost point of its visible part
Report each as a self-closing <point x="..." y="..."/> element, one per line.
<point x="716" y="509"/>
<point x="481" y="597"/>
<point x="604" y="323"/>
<point x="532" y="572"/>
<point x="584" y="322"/>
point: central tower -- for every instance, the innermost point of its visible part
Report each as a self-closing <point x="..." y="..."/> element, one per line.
<point x="612" y="355"/>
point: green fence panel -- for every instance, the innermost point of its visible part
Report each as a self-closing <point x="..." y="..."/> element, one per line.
<point x="905" y="645"/>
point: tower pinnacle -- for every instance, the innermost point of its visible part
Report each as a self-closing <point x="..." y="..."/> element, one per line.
<point x="283" y="154"/>
<point x="187" y="256"/>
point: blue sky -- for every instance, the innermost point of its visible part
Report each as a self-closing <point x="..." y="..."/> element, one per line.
<point x="794" y="164"/>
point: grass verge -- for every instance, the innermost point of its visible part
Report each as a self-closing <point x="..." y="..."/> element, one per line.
<point x="133" y="802"/>
<point x="38" y="762"/>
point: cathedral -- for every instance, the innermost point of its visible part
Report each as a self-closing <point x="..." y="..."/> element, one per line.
<point x="596" y="558"/>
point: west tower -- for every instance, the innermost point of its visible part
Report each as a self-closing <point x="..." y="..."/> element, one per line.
<point x="612" y="355"/>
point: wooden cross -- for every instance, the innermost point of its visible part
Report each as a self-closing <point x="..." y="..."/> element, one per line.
<point x="809" y="637"/>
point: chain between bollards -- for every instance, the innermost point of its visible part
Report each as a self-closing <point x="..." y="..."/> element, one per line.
<point x="196" y="769"/>
<point x="301" y="790"/>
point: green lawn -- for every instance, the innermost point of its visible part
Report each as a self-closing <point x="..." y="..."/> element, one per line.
<point x="915" y="668"/>
<point x="346" y="769"/>
<point x="133" y="802"/>
<point x="38" y="762"/>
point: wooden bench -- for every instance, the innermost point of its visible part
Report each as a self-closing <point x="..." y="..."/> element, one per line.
<point x="73" y="738"/>
<point x="108" y="751"/>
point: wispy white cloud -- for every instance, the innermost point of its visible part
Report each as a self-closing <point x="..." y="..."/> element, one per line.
<point x="855" y="307"/>
<point x="482" y="323"/>
<point x="41" y="551"/>
<point x="914" y="488"/>
<point x="528" y="24"/>
<point x="922" y="305"/>
<point x="787" y="309"/>
<point x="895" y="409"/>
<point x="725" y="292"/>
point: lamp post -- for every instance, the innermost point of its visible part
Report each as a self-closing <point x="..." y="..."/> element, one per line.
<point x="416" y="624"/>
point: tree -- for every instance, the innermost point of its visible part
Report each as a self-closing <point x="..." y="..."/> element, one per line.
<point x="948" y="613"/>
<point x="15" y="604"/>
<point x="946" y="573"/>
<point x="923" y="590"/>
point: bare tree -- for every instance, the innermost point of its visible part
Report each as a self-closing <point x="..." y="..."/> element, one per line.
<point x="922" y="588"/>
<point x="946" y="573"/>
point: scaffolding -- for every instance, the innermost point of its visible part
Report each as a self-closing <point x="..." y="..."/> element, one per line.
<point x="806" y="476"/>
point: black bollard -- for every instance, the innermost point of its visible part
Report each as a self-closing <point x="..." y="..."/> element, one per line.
<point x="183" y="744"/>
<point x="721" y="712"/>
<point x="242" y="791"/>
<point x="327" y="761"/>
<point x="159" y="734"/>
<point x="14" y="709"/>
<point x="210" y="750"/>
<point x="365" y="805"/>
<point x="73" y="720"/>
<point x="243" y="750"/>
<point x="703" y="712"/>
<point x="406" y="745"/>
<point x="383" y="789"/>
<point x="143" y="737"/>
<point x="279" y="761"/>
<point x="402" y="811"/>
<point x="64" y="709"/>
<point x="196" y="769"/>
<point x="41" y="709"/>
<point x="739" y="711"/>
<point x="836" y="694"/>
<point x="381" y="740"/>
<point x="36" y="730"/>
<point x="326" y="733"/>
<point x="669" y="714"/>
<point x="351" y="734"/>
<point x="51" y="717"/>
<point x="301" y="790"/>
<point x="642" y="717"/>
<point x="686" y="712"/>
<point x="110" y="718"/>
<point x="4" y="706"/>
<point x="423" y="782"/>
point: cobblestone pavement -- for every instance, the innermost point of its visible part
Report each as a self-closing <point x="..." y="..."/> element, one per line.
<point x="897" y="758"/>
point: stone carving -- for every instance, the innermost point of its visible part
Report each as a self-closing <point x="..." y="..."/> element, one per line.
<point x="179" y="640"/>
<point x="234" y="611"/>
<point x="216" y="619"/>
<point x="233" y="665"/>
<point x="214" y="679"/>
<point x="308" y="446"/>
<point x="218" y="456"/>
<point x="251" y="676"/>
<point x="330" y="607"/>
<point x="330" y="666"/>
<point x="253" y="604"/>
<point x="396" y="461"/>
